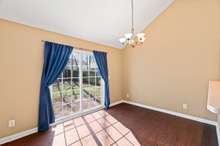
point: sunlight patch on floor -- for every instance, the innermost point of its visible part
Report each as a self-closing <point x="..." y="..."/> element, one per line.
<point x="95" y="129"/>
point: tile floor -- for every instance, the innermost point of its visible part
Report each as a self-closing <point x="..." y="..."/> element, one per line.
<point x="95" y="129"/>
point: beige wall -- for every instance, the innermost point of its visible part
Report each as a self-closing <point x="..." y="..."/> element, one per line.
<point x="180" y="55"/>
<point x="21" y="59"/>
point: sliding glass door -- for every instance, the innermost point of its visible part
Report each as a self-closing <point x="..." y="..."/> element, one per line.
<point x="79" y="87"/>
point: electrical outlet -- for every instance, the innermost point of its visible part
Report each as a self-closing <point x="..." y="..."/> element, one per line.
<point x="185" y="106"/>
<point x="11" y="123"/>
<point x="127" y="95"/>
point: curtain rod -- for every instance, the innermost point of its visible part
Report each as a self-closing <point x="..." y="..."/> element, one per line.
<point x="82" y="49"/>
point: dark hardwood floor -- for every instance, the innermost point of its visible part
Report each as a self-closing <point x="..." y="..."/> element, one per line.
<point x="150" y="128"/>
<point x="153" y="128"/>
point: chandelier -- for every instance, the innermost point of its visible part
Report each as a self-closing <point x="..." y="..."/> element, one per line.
<point x="132" y="39"/>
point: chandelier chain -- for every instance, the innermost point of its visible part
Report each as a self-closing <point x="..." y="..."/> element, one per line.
<point x="132" y="16"/>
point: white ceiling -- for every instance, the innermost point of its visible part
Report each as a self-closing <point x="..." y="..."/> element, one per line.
<point x="100" y="21"/>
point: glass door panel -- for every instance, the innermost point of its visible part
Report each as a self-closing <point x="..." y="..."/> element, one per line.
<point x="78" y="88"/>
<point x="88" y="96"/>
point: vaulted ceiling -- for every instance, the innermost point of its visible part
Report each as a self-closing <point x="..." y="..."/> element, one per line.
<point x="100" y="21"/>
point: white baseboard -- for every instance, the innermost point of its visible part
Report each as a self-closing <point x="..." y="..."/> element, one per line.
<point x="17" y="136"/>
<point x="194" y="118"/>
<point x="34" y="130"/>
<point x="116" y="103"/>
<point x="218" y="133"/>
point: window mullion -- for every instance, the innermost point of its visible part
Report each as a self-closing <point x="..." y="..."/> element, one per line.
<point x="51" y="91"/>
<point x="89" y="79"/>
<point x="95" y="86"/>
<point x="80" y="80"/>
<point x="62" y="93"/>
<point x="71" y="81"/>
